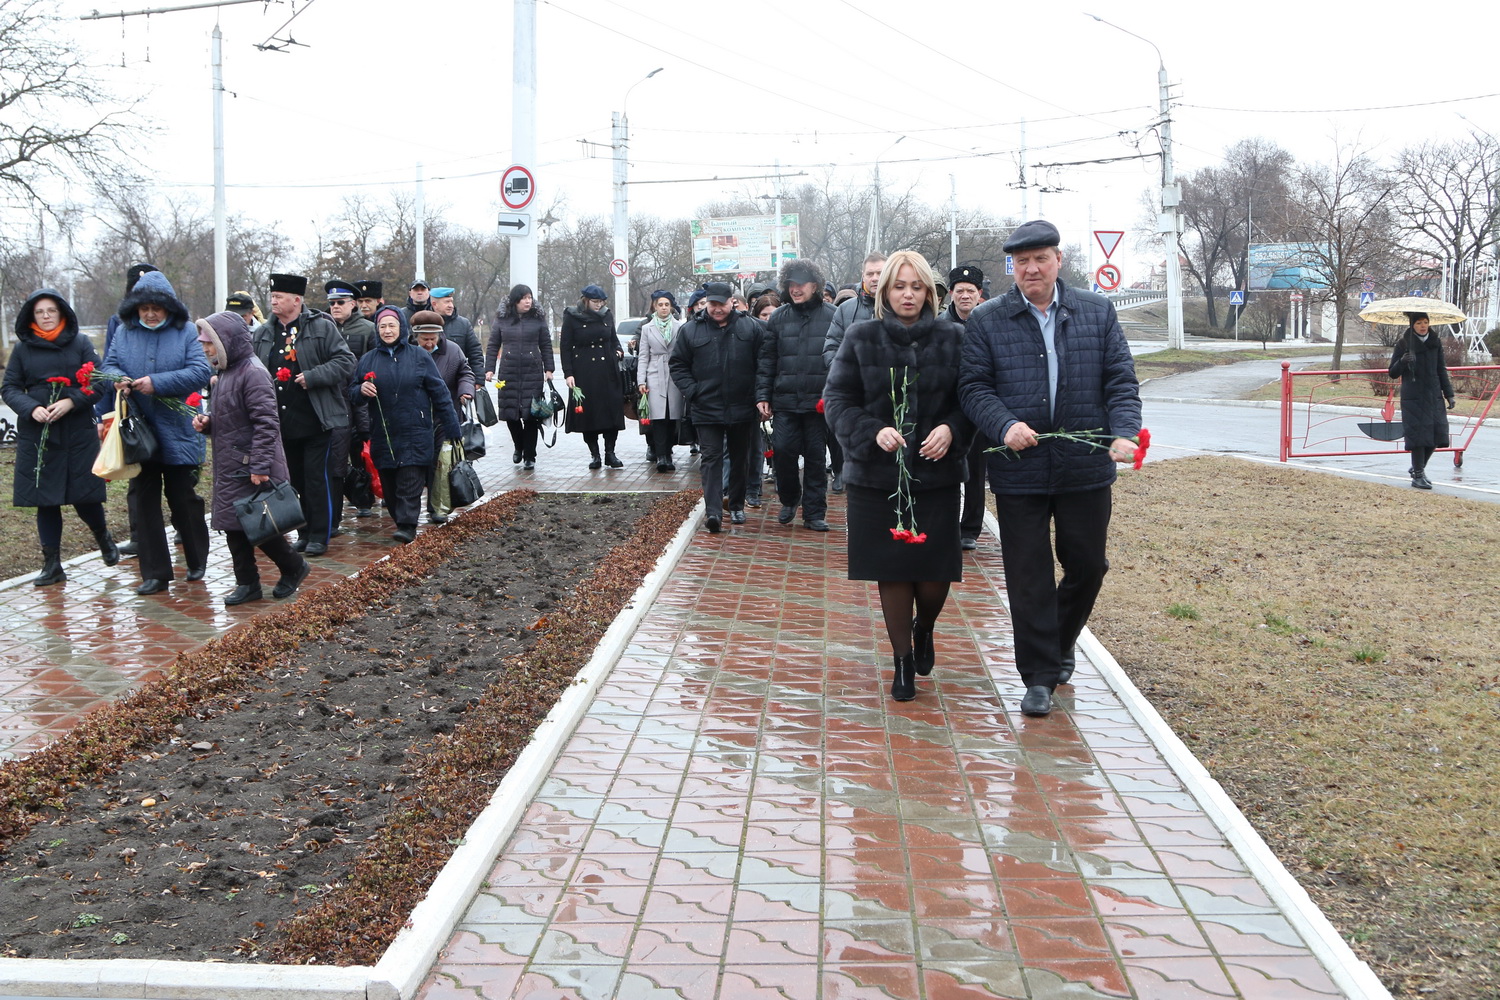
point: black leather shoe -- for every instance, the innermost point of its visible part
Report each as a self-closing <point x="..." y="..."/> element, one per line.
<point x="108" y="550"/>
<point x="153" y="587"/>
<point x="815" y="524"/>
<point x="613" y="461"/>
<point x="1421" y="482"/>
<point x="364" y="512"/>
<point x="196" y="573"/>
<point x="1038" y="700"/>
<point x="597" y="463"/>
<point x="243" y="594"/>
<point x="530" y="463"/>
<point x="752" y="501"/>
<point x="316" y="549"/>
<point x="904" y="686"/>
<point x="287" y="585"/>
<point x="405" y="535"/>
<point x="737" y="516"/>
<point x="431" y="519"/>
<point x="922" y="647"/>
<point x="969" y="544"/>
<point x="712" y="522"/>
<point x="300" y="545"/>
<point x="838" y="482"/>
<point x="1069" y="661"/>
<point x="128" y="547"/>
<point x="671" y="465"/>
<point x="515" y="458"/>
<point x="786" y="514"/>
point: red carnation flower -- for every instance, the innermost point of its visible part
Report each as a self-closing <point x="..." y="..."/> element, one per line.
<point x="578" y="409"/>
<point x="283" y="374"/>
<point x="1142" y="442"/>
<point x="369" y="376"/>
<point x="60" y="380"/>
<point x="770" y="453"/>
<point x="85" y="374"/>
<point x="820" y="406"/>
<point x="916" y="539"/>
<point x="645" y="421"/>
<point x="900" y="534"/>
<point x="194" y="399"/>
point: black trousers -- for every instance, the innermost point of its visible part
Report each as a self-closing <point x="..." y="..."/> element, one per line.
<point x="242" y="557"/>
<point x="403" y="493"/>
<point x="316" y="465"/>
<point x="718" y="443"/>
<point x="523" y="433"/>
<point x="661" y="435"/>
<point x="971" y="524"/>
<point x="1048" y="616"/>
<point x="178" y="483"/>
<point x="804" y="436"/>
<point x="835" y="456"/>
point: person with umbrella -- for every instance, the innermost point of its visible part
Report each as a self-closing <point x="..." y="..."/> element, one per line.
<point x="1418" y="362"/>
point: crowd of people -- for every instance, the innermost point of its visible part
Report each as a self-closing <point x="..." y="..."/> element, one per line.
<point x="875" y="390"/>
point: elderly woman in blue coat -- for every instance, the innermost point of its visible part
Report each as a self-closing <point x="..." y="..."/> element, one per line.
<point x="246" y="433"/>
<point x="156" y="348"/>
<point x="398" y="383"/>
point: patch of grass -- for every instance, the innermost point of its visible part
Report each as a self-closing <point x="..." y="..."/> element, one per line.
<point x="1369" y="778"/>
<point x="1184" y="611"/>
<point x="87" y="920"/>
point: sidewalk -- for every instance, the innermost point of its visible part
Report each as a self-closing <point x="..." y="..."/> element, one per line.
<point x="744" y="813"/>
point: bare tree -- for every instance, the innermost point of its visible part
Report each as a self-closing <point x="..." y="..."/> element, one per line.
<point x="1447" y="207"/>
<point x="1342" y="210"/>
<point x="54" y="116"/>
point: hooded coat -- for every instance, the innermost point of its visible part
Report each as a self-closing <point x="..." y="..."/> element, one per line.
<point x="1425" y="384"/>
<point x="244" y="426"/>
<point x="859" y="400"/>
<point x="520" y="355"/>
<point x="590" y="352"/>
<point x="792" y="369"/>
<point x="72" y="443"/>
<point x="173" y="358"/>
<point x="413" y="400"/>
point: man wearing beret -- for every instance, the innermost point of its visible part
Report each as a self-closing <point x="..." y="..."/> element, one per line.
<point x="964" y="286"/>
<point x="371" y="297"/>
<point x="311" y="366"/>
<point x="1041" y="358"/>
<point x="458" y="331"/>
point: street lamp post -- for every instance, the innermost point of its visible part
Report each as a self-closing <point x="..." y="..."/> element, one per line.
<point x="621" y="144"/>
<point x="877" y="222"/>
<point x="1171" y="195"/>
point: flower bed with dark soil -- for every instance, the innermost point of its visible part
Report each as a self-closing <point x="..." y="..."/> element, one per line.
<point x="287" y="792"/>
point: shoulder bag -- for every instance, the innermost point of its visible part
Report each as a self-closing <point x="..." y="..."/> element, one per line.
<point x="273" y="509"/>
<point x="473" y="433"/>
<point x="137" y="439"/>
<point x="463" y="482"/>
<point x="484" y="406"/>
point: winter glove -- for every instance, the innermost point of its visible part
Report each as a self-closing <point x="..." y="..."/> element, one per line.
<point x="1451" y="401"/>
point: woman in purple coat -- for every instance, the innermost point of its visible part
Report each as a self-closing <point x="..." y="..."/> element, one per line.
<point x="246" y="433"/>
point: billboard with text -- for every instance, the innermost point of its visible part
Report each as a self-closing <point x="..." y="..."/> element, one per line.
<point x="744" y="243"/>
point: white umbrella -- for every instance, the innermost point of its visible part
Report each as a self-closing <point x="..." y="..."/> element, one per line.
<point x="1393" y="311"/>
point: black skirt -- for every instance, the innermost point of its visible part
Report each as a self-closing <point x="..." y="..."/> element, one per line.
<point x="875" y="555"/>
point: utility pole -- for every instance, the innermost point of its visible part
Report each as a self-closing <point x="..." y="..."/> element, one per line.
<point x="877" y="228"/>
<point x="421" y="210"/>
<point x="1025" y="218"/>
<point x="620" y="140"/>
<point x="952" y="223"/>
<point x="523" y="249"/>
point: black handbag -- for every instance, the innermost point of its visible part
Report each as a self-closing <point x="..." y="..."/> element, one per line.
<point x="548" y="405"/>
<point x="359" y="489"/>
<point x="484" y="406"/>
<point x="472" y="438"/>
<point x="136" y="436"/>
<point x="272" y="510"/>
<point x="464" y="486"/>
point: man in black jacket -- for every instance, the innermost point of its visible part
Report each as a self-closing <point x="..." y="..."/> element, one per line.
<point x="714" y="363"/>
<point x="855" y="310"/>
<point x="459" y="331"/>
<point x="789" y="386"/>
<point x="1044" y="358"/>
<point x="311" y="365"/>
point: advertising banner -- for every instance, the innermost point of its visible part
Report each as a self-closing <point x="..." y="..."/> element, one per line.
<point x="1287" y="265"/>
<point x="744" y="244"/>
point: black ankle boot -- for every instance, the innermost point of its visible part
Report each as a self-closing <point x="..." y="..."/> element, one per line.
<point x="921" y="647"/>
<point x="611" y="460"/>
<point x="595" y="463"/>
<point x="904" y="687"/>
<point x="107" y="547"/>
<point x="52" y="571"/>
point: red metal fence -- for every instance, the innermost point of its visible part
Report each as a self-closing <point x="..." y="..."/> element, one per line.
<point x="1327" y="413"/>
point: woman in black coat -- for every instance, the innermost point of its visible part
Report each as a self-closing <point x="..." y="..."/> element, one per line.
<point x="591" y="362"/>
<point x="46" y="476"/>
<point x="399" y="384"/>
<point x="911" y="545"/>
<point x="1418" y="362"/>
<point x="520" y="357"/>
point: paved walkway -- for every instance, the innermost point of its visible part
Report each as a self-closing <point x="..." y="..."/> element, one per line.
<point x="744" y="813"/>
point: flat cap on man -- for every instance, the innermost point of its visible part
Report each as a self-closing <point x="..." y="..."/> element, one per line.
<point x="718" y="291"/>
<point x="1036" y="233"/>
<point x="291" y="284"/>
<point x="967" y="274"/>
<point x="420" y="283"/>
<point x="239" y="302"/>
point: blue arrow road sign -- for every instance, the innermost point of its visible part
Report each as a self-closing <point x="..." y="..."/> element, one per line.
<point x="1236" y="298"/>
<point x="1365" y="298"/>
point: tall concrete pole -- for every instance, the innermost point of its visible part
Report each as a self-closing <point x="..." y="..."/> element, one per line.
<point x="523" y="249"/>
<point x="421" y="210"/>
<point x="221" y="214"/>
<point x="1171" y="197"/>
<point x="620" y="140"/>
<point x="952" y="223"/>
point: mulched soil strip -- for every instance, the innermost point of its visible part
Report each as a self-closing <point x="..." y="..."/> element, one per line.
<point x="288" y="792"/>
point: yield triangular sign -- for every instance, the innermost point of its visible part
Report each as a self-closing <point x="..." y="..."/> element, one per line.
<point x="1108" y="240"/>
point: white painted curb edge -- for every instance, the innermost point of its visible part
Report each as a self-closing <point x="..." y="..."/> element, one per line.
<point x="1343" y="966"/>
<point x="404" y="966"/>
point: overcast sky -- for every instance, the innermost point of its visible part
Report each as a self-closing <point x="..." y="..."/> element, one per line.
<point x="820" y="85"/>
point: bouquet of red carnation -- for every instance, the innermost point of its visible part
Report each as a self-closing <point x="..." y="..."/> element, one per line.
<point x="187" y="407"/>
<point x="906" y="509"/>
<point x="88" y="375"/>
<point x="643" y="407"/>
<point x="53" y="395"/>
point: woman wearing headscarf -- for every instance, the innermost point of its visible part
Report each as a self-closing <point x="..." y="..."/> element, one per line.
<point x="246" y="432"/>
<point x="156" y="346"/>
<point x="55" y="440"/>
<point x="591" y="363"/>
<point x="1418" y="362"/>
<point x="519" y="356"/>
<point x="398" y="383"/>
<point x="663" y="398"/>
<point x="906" y="356"/>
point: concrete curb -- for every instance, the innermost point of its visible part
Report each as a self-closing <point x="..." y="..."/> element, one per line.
<point x="404" y="966"/>
<point x="1345" y="968"/>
